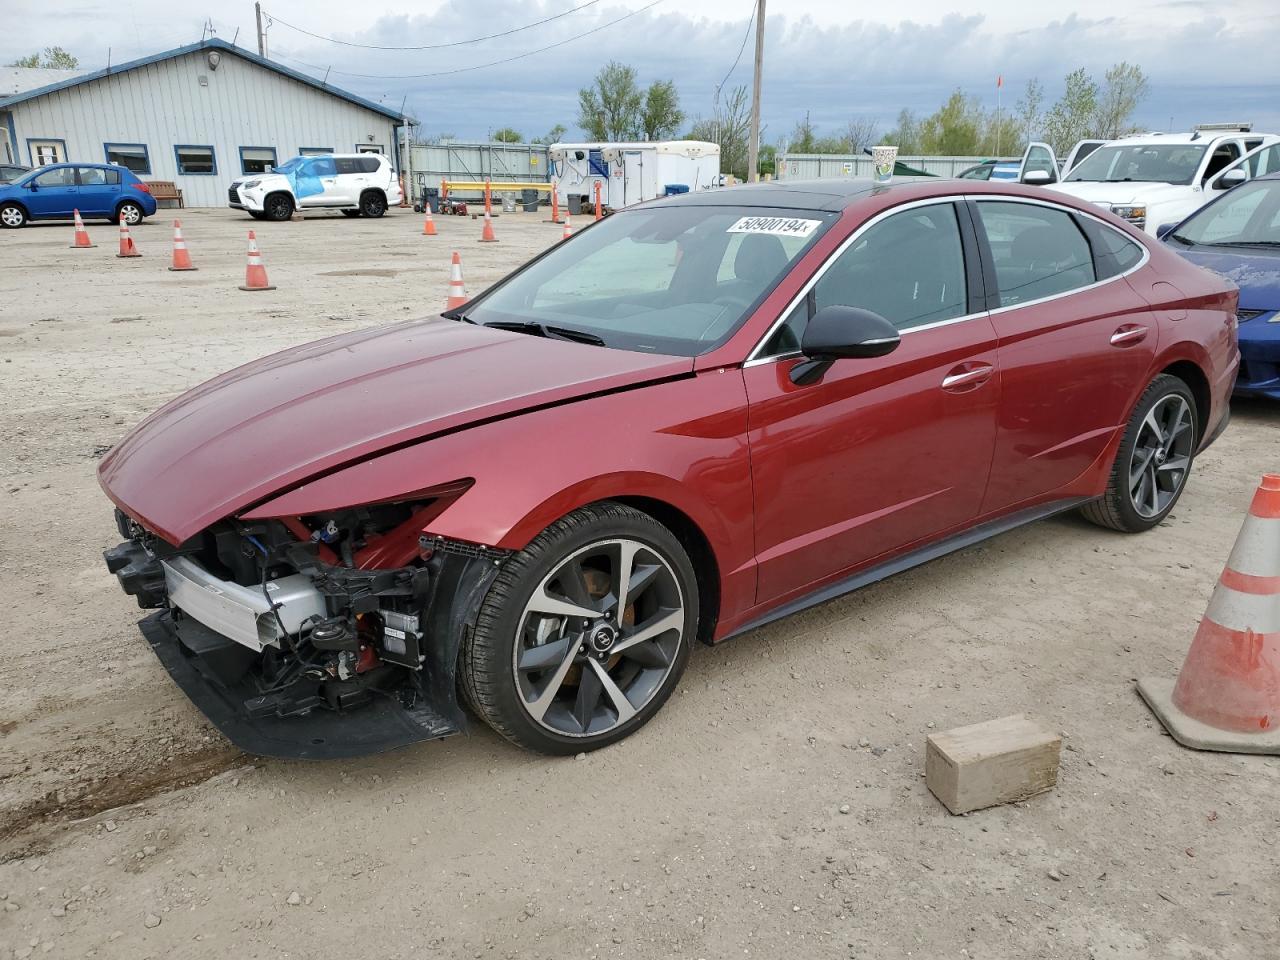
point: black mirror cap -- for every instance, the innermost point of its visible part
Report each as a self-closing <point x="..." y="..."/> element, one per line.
<point x="1164" y="230"/>
<point x="840" y="332"/>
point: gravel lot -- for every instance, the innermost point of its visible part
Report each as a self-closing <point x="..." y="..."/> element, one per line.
<point x="128" y="828"/>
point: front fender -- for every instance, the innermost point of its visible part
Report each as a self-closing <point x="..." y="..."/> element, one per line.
<point x="682" y="442"/>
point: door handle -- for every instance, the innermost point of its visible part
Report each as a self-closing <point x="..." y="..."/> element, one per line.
<point x="967" y="376"/>
<point x="1128" y="335"/>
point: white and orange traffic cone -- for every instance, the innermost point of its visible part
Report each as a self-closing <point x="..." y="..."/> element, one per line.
<point x="428" y="225"/>
<point x="181" y="256"/>
<point x="1227" y="695"/>
<point x="486" y="235"/>
<point x="568" y="227"/>
<point x="127" y="249"/>
<point x="255" y="274"/>
<point x="457" y="292"/>
<point x="82" y="235"/>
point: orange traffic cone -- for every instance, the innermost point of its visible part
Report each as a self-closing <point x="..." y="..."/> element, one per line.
<point x="1227" y="696"/>
<point x="568" y="227"/>
<point x="457" y="292"/>
<point x="82" y="235"/>
<point x="486" y="235"/>
<point x="127" y="249"/>
<point x="599" y="213"/>
<point x="181" y="256"/>
<point x="428" y="225"/>
<point x="255" y="274"/>
<point x="555" y="206"/>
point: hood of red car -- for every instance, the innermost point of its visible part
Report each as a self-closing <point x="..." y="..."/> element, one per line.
<point x="276" y="422"/>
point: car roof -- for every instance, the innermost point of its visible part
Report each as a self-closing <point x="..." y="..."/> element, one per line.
<point x="1182" y="139"/>
<point x="836" y="195"/>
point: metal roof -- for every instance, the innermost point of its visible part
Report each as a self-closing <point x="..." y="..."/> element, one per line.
<point x="211" y="44"/>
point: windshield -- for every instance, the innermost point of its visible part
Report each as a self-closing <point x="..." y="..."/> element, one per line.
<point x="1141" y="162"/>
<point x="676" y="280"/>
<point x="1248" y="216"/>
<point x="289" y="166"/>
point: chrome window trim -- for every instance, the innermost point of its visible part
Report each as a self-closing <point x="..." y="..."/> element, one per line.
<point x="754" y="358"/>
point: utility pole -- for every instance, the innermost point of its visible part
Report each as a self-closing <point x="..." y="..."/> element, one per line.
<point x="753" y="148"/>
<point x="262" y="37"/>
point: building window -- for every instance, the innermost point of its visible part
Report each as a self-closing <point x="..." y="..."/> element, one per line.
<point x="195" y="160"/>
<point x="45" y="152"/>
<point x="313" y="151"/>
<point x="257" y="159"/>
<point x="132" y="156"/>
<point x="369" y="148"/>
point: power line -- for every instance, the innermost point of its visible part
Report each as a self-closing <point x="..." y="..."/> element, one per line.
<point x="736" y="60"/>
<point x="433" y="46"/>
<point x="478" y="66"/>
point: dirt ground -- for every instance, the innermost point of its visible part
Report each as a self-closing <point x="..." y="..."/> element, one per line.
<point x="130" y="829"/>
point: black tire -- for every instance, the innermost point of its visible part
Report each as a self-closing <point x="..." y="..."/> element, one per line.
<point x="372" y="203"/>
<point x="487" y="670"/>
<point x="350" y="213"/>
<point x="129" y="212"/>
<point x="12" y="216"/>
<point x="277" y="206"/>
<point x="1116" y="509"/>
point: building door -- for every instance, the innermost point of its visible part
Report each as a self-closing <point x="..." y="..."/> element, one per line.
<point x="45" y="152"/>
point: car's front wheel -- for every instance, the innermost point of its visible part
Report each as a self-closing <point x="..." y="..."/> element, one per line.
<point x="278" y="206"/>
<point x="584" y="633"/>
<point x="12" y="215"/>
<point x="372" y="204"/>
<point x="1154" y="459"/>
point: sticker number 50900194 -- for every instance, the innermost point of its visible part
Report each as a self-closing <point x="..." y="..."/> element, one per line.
<point x="779" y="226"/>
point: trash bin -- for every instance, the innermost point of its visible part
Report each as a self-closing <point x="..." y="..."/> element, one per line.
<point x="575" y="203"/>
<point x="529" y="200"/>
<point x="672" y="189"/>
<point x="433" y="198"/>
<point x="508" y="203"/>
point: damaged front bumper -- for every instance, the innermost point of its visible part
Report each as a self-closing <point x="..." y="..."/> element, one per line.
<point x="258" y="662"/>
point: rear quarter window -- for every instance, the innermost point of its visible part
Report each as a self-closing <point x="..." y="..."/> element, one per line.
<point x="368" y="164"/>
<point x="1113" y="252"/>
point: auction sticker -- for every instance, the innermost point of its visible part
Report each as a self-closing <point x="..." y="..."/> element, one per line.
<point x="778" y="226"/>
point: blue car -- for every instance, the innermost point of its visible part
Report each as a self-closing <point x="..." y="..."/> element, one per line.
<point x="1238" y="236"/>
<point x="53" y="192"/>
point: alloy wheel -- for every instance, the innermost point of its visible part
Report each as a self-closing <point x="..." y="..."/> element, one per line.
<point x="12" y="217"/>
<point x="598" y="638"/>
<point x="130" y="214"/>
<point x="1161" y="456"/>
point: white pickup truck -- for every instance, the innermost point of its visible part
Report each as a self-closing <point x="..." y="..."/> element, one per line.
<point x="1160" y="178"/>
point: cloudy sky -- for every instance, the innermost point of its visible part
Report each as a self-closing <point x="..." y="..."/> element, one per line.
<point x="836" y="60"/>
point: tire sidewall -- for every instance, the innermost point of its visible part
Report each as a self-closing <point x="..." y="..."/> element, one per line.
<point x="372" y="205"/>
<point x="1158" y="391"/>
<point x="502" y="611"/>
<point x="22" y="213"/>
<point x="278" y="207"/>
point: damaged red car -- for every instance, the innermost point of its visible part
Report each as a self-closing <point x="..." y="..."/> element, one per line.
<point x="694" y="417"/>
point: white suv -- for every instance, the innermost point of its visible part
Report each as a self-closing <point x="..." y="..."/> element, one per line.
<point x="1161" y="178"/>
<point x="358" y="184"/>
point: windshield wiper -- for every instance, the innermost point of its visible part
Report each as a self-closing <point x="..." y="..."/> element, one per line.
<point x="1182" y="240"/>
<point x="1245" y="243"/>
<point x="549" y="331"/>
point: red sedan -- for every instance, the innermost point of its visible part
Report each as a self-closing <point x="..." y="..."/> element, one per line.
<point x="695" y="417"/>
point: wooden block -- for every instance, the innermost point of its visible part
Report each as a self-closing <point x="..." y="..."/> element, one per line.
<point x="999" y="761"/>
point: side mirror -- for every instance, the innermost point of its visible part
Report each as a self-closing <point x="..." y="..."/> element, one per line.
<point x="1232" y="178"/>
<point x="1164" y="230"/>
<point x="31" y="185"/>
<point x="838" y="332"/>
<point x="1037" y="177"/>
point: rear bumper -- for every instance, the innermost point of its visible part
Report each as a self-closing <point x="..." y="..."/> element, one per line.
<point x="203" y="662"/>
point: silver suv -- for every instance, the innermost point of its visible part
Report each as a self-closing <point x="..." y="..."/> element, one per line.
<point x="358" y="184"/>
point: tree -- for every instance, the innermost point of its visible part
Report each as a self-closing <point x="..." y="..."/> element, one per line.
<point x="54" y="58"/>
<point x="661" y="116"/>
<point x="1125" y="86"/>
<point x="1072" y="117"/>
<point x="860" y="133"/>
<point x="554" y="135"/>
<point x="766" y="160"/>
<point x="906" y="135"/>
<point x="730" y="127"/>
<point x="508" y="135"/>
<point x="956" y="129"/>
<point x="803" y="139"/>
<point x="609" y="109"/>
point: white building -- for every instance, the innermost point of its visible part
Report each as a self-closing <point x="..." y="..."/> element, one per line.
<point x="200" y="116"/>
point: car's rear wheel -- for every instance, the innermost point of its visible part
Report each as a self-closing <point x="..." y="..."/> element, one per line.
<point x="278" y="206"/>
<point x="12" y="215"/>
<point x="564" y="657"/>
<point x="372" y="203"/>
<point x="129" y="213"/>
<point x="1154" y="459"/>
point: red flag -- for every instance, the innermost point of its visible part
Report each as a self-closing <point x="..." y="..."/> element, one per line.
<point x="1000" y="80"/>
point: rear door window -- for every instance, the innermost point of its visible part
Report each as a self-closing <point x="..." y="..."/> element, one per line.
<point x="1037" y="251"/>
<point x="347" y="165"/>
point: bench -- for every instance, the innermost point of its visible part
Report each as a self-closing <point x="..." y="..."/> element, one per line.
<point x="165" y="190"/>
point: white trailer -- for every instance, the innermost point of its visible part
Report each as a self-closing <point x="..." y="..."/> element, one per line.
<point x="632" y="172"/>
